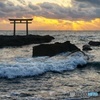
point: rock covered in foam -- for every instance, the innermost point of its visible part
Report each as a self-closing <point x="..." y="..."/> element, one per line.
<point x="54" y="49"/>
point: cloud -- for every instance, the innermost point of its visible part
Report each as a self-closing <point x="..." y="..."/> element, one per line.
<point x="33" y="7"/>
<point x="9" y="9"/>
<point x="22" y="2"/>
<point x="93" y="2"/>
<point x="79" y="11"/>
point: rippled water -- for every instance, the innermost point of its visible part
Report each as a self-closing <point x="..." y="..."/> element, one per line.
<point x="50" y="85"/>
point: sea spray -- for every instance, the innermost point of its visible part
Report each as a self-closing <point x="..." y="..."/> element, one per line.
<point x="31" y="67"/>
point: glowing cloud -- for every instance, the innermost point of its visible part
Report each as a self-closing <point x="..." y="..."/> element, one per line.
<point x="52" y="14"/>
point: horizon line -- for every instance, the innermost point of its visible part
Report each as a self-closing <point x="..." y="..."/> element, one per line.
<point x="53" y="30"/>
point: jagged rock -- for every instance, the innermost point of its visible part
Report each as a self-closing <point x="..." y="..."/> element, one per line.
<point x="94" y="43"/>
<point x="86" y="47"/>
<point x="14" y="41"/>
<point x="53" y="49"/>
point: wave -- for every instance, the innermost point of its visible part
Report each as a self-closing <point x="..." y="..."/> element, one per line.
<point x="22" y="67"/>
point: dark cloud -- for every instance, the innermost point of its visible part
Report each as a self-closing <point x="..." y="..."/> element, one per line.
<point x="93" y="2"/>
<point x="33" y="7"/>
<point x="46" y="5"/>
<point x="2" y="5"/>
<point x="80" y="10"/>
<point x="2" y="14"/>
<point x="8" y="9"/>
<point x="22" y="2"/>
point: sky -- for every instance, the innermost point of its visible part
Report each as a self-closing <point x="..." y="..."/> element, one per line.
<point x="52" y="14"/>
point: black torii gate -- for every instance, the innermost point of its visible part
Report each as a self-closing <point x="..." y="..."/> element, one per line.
<point x="20" y="21"/>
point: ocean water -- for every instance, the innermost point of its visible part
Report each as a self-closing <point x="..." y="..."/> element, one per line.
<point x="49" y="78"/>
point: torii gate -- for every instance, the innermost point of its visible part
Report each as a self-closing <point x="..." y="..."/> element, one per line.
<point x="20" y="21"/>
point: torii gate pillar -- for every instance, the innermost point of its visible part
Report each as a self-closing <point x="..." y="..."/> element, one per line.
<point x="20" y="21"/>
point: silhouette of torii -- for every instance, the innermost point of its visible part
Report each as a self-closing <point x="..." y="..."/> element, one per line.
<point x="20" y="21"/>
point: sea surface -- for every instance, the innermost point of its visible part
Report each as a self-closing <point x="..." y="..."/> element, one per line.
<point x="23" y="77"/>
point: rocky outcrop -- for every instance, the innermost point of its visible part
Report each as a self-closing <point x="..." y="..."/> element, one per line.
<point x="15" y="41"/>
<point x="86" y="48"/>
<point x="53" y="49"/>
<point x="94" y="43"/>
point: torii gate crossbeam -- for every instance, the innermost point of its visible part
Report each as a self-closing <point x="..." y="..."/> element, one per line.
<point x="20" y="21"/>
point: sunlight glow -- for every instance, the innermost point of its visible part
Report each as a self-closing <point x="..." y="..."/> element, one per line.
<point x="4" y="22"/>
<point x="42" y="23"/>
<point x="66" y="24"/>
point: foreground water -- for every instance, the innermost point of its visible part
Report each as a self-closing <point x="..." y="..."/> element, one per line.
<point x="61" y="73"/>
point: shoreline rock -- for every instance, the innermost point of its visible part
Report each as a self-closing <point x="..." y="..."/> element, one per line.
<point x="94" y="43"/>
<point x="86" y="48"/>
<point x="54" y="49"/>
<point x="16" y="41"/>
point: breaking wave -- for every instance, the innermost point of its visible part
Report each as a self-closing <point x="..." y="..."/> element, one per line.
<point x="22" y="67"/>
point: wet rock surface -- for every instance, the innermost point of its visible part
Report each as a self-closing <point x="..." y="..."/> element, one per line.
<point x="53" y="49"/>
<point x="94" y="43"/>
<point x="15" y="41"/>
<point x="86" y="48"/>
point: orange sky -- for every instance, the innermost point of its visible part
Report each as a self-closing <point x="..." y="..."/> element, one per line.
<point x="54" y="22"/>
<point x="42" y="23"/>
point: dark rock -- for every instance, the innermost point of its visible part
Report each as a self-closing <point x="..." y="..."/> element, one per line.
<point x="15" y="41"/>
<point x="53" y="49"/>
<point x="81" y="66"/>
<point x="86" y="47"/>
<point x="25" y="94"/>
<point x="94" y="43"/>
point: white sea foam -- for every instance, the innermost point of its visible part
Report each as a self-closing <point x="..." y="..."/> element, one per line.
<point x="22" y="67"/>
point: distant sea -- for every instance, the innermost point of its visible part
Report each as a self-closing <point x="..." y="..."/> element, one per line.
<point x="49" y="78"/>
